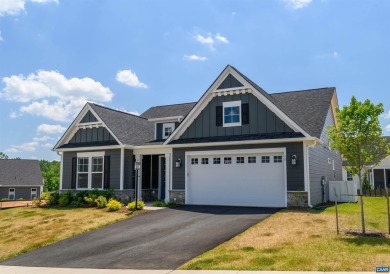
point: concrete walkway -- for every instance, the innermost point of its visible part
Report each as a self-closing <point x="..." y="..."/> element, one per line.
<point x="48" y="270"/>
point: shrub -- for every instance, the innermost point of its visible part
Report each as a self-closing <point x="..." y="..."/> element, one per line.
<point x="113" y="205"/>
<point x="65" y="199"/>
<point x="159" y="204"/>
<point x="81" y="194"/>
<point x="45" y="195"/>
<point x="4" y="199"/>
<point x="366" y="185"/>
<point x="53" y="199"/>
<point x="77" y="202"/>
<point x="140" y="205"/>
<point x="90" y="199"/>
<point x="171" y="204"/>
<point x="108" y="193"/>
<point x="20" y="199"/>
<point x="37" y="202"/>
<point x="101" y="202"/>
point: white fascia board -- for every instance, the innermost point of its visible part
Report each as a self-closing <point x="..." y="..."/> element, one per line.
<point x="203" y="101"/>
<point x="166" y="119"/>
<point x="152" y="150"/>
<point x="75" y="126"/>
<point x="88" y="148"/>
<point x="72" y="126"/>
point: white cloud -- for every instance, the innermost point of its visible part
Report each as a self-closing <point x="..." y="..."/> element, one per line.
<point x="1" y="38"/>
<point x="386" y="115"/>
<point x="129" y="78"/>
<point x="42" y="139"/>
<point x="221" y="38"/>
<point x="15" y="7"/>
<point x="14" y="115"/>
<point x="195" y="58"/>
<point x="297" y="4"/>
<point x="45" y="1"/>
<point x="11" y="7"/>
<point x="50" y="129"/>
<point x="387" y="128"/>
<point x="204" y="40"/>
<point x="50" y="94"/>
<point x="47" y="145"/>
<point x="211" y="40"/>
<point x="29" y="147"/>
<point x="335" y="54"/>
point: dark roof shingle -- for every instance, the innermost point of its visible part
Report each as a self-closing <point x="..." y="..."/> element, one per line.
<point x="308" y="108"/>
<point x="128" y="128"/>
<point x="20" y="173"/>
<point x="168" y="111"/>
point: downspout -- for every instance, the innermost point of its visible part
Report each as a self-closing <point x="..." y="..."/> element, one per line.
<point x="308" y="172"/>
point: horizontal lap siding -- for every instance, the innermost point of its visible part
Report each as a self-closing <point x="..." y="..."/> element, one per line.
<point x="115" y="156"/>
<point x="295" y="174"/>
<point x="20" y="192"/>
<point x="319" y="166"/>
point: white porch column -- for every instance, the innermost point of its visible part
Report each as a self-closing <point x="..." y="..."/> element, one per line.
<point x="168" y="177"/>
<point x="138" y="180"/>
<point x="61" y="168"/>
<point x="122" y="169"/>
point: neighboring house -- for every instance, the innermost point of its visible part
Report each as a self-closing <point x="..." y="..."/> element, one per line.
<point x="378" y="176"/>
<point x="20" y="179"/>
<point x="238" y="146"/>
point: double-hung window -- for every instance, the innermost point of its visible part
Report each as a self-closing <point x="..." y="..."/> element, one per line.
<point x="232" y="114"/>
<point x="90" y="170"/>
<point x="168" y="128"/>
<point x="33" y="193"/>
<point x="349" y="176"/>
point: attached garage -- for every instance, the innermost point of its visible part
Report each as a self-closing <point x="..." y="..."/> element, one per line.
<point x="237" y="178"/>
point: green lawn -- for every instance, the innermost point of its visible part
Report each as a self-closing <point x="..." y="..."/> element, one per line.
<point x="305" y="241"/>
<point x="26" y="228"/>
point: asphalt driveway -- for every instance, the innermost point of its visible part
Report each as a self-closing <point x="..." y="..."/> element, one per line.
<point x="162" y="239"/>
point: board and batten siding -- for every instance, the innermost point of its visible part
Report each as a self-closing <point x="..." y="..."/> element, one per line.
<point x="159" y="129"/>
<point x="319" y="165"/>
<point x="261" y="119"/>
<point x="295" y="174"/>
<point x="115" y="158"/>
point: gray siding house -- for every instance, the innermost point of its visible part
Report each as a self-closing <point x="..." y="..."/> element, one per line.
<point x="237" y="146"/>
<point x="20" y="179"/>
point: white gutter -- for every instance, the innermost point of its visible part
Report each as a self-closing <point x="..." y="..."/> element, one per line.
<point x="164" y="119"/>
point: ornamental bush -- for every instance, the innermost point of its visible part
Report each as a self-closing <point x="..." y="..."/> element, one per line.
<point x="113" y="205"/>
<point x="101" y="202"/>
<point x="140" y="205"/>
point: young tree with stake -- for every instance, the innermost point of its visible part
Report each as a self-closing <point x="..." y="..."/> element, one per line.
<point x="359" y="139"/>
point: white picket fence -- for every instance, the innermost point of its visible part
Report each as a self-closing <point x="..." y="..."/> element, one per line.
<point x="346" y="191"/>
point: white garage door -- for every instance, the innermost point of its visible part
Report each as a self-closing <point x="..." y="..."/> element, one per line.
<point x="237" y="179"/>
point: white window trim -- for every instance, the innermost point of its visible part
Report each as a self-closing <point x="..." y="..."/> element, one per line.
<point x="34" y="192"/>
<point x="9" y="192"/>
<point x="167" y="125"/>
<point x="231" y="104"/>
<point x="89" y="155"/>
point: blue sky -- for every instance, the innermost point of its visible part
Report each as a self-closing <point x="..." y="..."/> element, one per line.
<point x="55" y="55"/>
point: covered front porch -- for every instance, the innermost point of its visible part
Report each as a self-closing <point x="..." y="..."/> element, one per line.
<point x="153" y="177"/>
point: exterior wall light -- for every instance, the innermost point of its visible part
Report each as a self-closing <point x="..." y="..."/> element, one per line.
<point x="294" y="160"/>
<point x="178" y="162"/>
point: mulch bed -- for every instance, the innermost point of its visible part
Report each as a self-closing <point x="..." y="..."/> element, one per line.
<point x="369" y="233"/>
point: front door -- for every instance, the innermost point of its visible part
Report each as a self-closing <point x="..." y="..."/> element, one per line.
<point x="162" y="178"/>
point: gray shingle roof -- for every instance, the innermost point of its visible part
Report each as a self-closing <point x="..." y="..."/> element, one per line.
<point x="168" y="111"/>
<point x="20" y="173"/>
<point x="128" y="128"/>
<point x="308" y="108"/>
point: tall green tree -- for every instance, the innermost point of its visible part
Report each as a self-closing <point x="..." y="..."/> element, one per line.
<point x="359" y="139"/>
<point x="3" y="156"/>
<point x="51" y="174"/>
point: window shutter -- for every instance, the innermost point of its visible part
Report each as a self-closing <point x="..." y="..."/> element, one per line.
<point x="245" y="113"/>
<point x="218" y="116"/>
<point x="106" y="172"/>
<point x="74" y="173"/>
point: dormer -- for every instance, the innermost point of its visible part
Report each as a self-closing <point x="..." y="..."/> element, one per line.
<point x="164" y="126"/>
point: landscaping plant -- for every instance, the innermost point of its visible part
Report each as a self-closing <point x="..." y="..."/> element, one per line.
<point x="101" y="202"/>
<point x="113" y="205"/>
<point x="358" y="138"/>
<point x="140" y="205"/>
